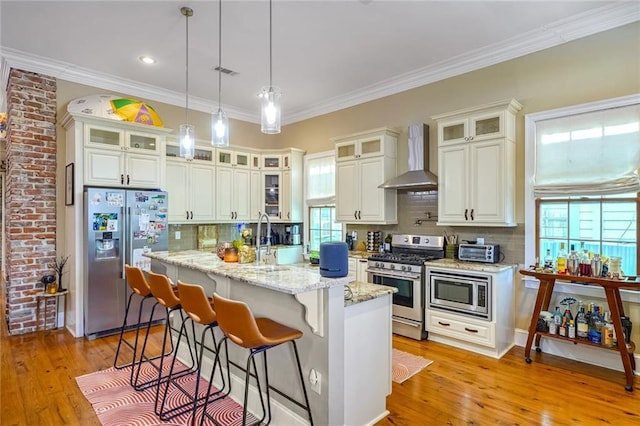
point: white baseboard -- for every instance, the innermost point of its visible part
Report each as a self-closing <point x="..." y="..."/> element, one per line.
<point x="583" y="353"/>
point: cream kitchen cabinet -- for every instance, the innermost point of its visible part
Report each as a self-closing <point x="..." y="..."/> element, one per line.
<point x="364" y="161"/>
<point x="191" y="185"/>
<point x="232" y="158"/>
<point x="233" y="194"/>
<point x="282" y="191"/>
<point x="493" y="337"/>
<point x="115" y="153"/>
<point x="476" y="171"/>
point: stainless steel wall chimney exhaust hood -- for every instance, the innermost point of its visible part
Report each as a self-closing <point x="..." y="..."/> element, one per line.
<point x="417" y="178"/>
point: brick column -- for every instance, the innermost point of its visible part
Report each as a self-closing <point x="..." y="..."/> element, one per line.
<point x="30" y="202"/>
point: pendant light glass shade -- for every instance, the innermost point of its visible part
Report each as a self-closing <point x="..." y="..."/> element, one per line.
<point x="219" y="129"/>
<point x="187" y="141"/>
<point x="271" y="110"/>
<point x="187" y="131"/>
<point x="270" y="96"/>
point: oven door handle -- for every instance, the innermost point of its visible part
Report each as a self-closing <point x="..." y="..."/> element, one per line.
<point x="383" y="274"/>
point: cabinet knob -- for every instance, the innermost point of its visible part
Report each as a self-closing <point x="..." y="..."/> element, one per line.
<point x="191" y="214"/>
<point x="466" y="214"/>
<point x="128" y="179"/>
<point x="444" y="324"/>
<point x="187" y="215"/>
<point x="355" y="214"/>
<point x="121" y="179"/>
<point x="470" y="330"/>
<point x="471" y="214"/>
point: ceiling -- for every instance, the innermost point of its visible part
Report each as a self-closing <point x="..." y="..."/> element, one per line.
<point x="327" y="55"/>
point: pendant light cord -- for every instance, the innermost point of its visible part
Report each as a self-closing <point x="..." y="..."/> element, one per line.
<point x="219" y="54"/>
<point x="270" y="49"/>
<point x="187" y="12"/>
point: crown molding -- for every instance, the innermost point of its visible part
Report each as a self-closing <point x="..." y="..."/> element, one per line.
<point x="553" y="34"/>
<point x="69" y="72"/>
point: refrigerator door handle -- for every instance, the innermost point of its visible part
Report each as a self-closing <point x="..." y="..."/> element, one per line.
<point x="124" y="242"/>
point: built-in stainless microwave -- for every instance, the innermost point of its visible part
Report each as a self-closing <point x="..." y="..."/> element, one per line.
<point x="465" y="293"/>
<point x="487" y="253"/>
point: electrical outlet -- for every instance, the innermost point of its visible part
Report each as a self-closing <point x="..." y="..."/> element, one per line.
<point x="315" y="379"/>
<point x="178" y="235"/>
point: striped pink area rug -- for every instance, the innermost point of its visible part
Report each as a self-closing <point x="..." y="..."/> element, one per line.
<point x="405" y="365"/>
<point x="117" y="403"/>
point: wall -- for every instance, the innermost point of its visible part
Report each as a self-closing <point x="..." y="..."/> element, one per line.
<point x="30" y="198"/>
<point x="602" y="66"/>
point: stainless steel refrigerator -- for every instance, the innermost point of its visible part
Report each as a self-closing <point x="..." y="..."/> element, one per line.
<point x="120" y="225"/>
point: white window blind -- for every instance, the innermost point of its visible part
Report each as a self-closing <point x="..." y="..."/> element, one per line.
<point x="592" y="153"/>
<point x="320" y="173"/>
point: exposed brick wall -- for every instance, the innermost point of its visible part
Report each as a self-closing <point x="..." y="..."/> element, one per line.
<point x="30" y="203"/>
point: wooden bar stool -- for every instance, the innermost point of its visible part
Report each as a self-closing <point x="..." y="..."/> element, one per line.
<point x="140" y="288"/>
<point x="167" y="296"/>
<point x="258" y="335"/>
<point x="199" y="308"/>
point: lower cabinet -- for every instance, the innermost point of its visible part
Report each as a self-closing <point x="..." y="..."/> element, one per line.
<point x="467" y="329"/>
<point x="492" y="337"/>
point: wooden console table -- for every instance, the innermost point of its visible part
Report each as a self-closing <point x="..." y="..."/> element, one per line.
<point x="612" y="293"/>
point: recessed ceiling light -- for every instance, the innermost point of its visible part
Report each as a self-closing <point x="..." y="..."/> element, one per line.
<point x="145" y="59"/>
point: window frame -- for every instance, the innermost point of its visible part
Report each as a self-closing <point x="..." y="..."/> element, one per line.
<point x="538" y="201"/>
<point x="531" y="224"/>
<point x="325" y="206"/>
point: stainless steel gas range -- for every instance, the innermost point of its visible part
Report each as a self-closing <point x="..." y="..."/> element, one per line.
<point x="403" y="268"/>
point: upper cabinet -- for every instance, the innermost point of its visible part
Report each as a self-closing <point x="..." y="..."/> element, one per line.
<point x="116" y="153"/>
<point x="476" y="165"/>
<point x="364" y="161"/>
<point x="282" y="189"/>
<point x="232" y="158"/>
<point x="191" y="185"/>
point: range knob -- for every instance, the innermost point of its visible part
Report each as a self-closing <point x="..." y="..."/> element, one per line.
<point x="379" y="265"/>
<point x="392" y="266"/>
<point x="406" y="268"/>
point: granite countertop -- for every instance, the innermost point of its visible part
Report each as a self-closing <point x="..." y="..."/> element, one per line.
<point x="358" y="291"/>
<point x="469" y="266"/>
<point x="290" y="279"/>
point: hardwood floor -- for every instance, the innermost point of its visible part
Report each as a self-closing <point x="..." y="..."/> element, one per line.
<point x="460" y="388"/>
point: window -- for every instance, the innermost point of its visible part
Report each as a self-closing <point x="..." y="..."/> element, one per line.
<point x="320" y="193"/>
<point x="582" y="188"/>
<point x="323" y="226"/>
<point x="603" y="225"/>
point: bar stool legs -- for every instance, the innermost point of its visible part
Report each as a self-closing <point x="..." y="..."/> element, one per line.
<point x="258" y="335"/>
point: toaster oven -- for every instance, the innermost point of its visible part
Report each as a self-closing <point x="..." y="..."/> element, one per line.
<point x="487" y="253"/>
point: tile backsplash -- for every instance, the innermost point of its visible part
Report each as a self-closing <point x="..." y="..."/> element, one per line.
<point x="418" y="214"/>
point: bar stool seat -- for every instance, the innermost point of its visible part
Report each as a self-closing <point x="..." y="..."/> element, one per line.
<point x="140" y="288"/>
<point x="238" y="324"/>
<point x="199" y="309"/>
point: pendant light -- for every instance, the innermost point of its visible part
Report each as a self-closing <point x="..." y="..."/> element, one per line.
<point x="187" y="131"/>
<point x="219" y="120"/>
<point x="270" y="96"/>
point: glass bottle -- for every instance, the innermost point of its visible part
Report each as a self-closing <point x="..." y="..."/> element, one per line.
<point x="608" y="331"/>
<point x="595" y="333"/>
<point x="572" y="330"/>
<point x="582" y="326"/>
<point x="573" y="262"/>
<point x="554" y="327"/>
<point x="561" y="260"/>
<point x="548" y="260"/>
<point x="387" y="243"/>
<point x="584" y="269"/>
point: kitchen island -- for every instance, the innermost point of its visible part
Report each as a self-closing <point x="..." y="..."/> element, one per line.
<point x="346" y="344"/>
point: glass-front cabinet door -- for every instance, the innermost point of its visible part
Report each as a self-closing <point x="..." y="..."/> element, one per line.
<point x="142" y="142"/>
<point x="453" y="131"/>
<point x="487" y="126"/>
<point x="104" y="138"/>
<point x="271" y="162"/>
<point x="272" y="197"/>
